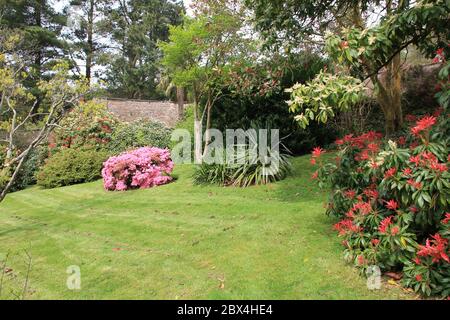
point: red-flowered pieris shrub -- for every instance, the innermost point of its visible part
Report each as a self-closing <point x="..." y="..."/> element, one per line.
<point x="141" y="168"/>
<point x="393" y="201"/>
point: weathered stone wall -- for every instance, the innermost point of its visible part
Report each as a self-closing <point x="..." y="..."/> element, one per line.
<point x="130" y="110"/>
<point x="126" y="110"/>
<point x="22" y="138"/>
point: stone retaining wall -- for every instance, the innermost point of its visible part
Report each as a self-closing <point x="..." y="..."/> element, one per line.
<point x="130" y="110"/>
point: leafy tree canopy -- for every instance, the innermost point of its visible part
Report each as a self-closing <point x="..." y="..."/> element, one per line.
<point x="135" y="27"/>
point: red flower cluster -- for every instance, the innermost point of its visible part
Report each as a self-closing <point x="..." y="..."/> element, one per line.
<point x="435" y="248"/>
<point x="350" y="193"/>
<point x="361" y="207"/>
<point x="401" y="141"/>
<point x="371" y="193"/>
<point x="346" y="226"/>
<point x="413" y="209"/>
<point x="414" y="184"/>
<point x="395" y="230"/>
<point x="428" y="160"/>
<point x="390" y="173"/>
<point x="392" y="205"/>
<point x="446" y="219"/>
<point x="317" y="152"/>
<point x="423" y="124"/>
<point x="375" y="205"/>
<point x="439" y="167"/>
<point x="407" y="172"/>
<point x="440" y="57"/>
<point x="370" y="138"/>
<point x="373" y="147"/>
<point x="361" y="260"/>
<point x="384" y="224"/>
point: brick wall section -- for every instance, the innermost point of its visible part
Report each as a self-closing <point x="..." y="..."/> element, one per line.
<point x="130" y="110"/>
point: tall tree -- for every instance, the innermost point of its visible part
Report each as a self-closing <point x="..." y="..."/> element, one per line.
<point x="289" y="22"/>
<point x="88" y="35"/>
<point x="18" y="106"/>
<point x="292" y="23"/>
<point x="199" y="55"/>
<point x="375" y="53"/>
<point x="41" y="26"/>
<point x="135" y="28"/>
<point x="42" y="45"/>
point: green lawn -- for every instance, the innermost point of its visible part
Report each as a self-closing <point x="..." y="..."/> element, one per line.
<point x="180" y="241"/>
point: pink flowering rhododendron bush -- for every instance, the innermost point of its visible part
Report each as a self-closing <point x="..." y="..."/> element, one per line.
<point x="141" y="168"/>
<point x="393" y="201"/>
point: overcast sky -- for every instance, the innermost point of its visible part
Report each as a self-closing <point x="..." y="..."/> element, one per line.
<point x="187" y="3"/>
<point x="59" y="4"/>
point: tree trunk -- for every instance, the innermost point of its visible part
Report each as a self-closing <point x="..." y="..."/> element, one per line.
<point x="180" y="101"/>
<point x="197" y="137"/>
<point x="13" y="178"/>
<point x="90" y="42"/>
<point x="208" y="107"/>
<point x="197" y="131"/>
<point x="208" y="126"/>
<point x="38" y="18"/>
<point x="38" y="57"/>
<point x="389" y="96"/>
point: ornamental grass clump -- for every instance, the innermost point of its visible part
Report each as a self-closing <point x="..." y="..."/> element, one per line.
<point x="141" y="168"/>
<point x="393" y="202"/>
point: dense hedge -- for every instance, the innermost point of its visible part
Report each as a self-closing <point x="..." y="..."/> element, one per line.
<point x="140" y="133"/>
<point x="71" y="166"/>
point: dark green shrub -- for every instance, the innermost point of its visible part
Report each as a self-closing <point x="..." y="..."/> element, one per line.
<point x="140" y="133"/>
<point x="71" y="166"/>
<point x="256" y="94"/>
<point x="27" y="174"/>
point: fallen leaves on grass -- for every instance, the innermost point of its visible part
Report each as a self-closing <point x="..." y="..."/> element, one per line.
<point x="394" y="275"/>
